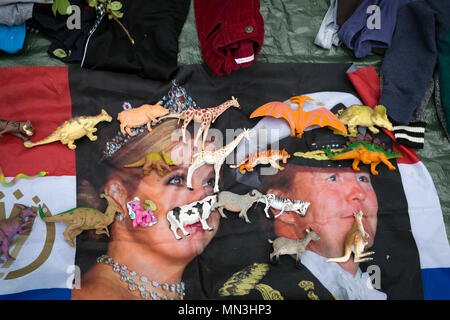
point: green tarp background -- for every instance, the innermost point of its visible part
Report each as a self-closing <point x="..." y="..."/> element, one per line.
<point x="290" y="29"/>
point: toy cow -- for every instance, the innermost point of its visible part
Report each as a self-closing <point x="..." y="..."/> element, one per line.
<point x="282" y="246"/>
<point x="191" y="213"/>
<point x="12" y="226"/>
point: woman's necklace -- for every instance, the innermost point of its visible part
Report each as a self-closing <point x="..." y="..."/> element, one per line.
<point x="141" y="283"/>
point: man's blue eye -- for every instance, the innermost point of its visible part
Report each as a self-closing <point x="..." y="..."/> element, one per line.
<point x="332" y="178"/>
<point x="209" y="183"/>
<point x="363" y="179"/>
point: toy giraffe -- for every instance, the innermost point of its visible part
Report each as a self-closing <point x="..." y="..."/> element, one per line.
<point x="206" y="116"/>
<point x="215" y="157"/>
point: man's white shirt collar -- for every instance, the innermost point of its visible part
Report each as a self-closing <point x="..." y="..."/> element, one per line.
<point x="340" y="282"/>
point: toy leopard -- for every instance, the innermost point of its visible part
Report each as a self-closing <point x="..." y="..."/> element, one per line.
<point x="263" y="157"/>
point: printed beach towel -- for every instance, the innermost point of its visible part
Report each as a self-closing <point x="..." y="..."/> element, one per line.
<point x="411" y="246"/>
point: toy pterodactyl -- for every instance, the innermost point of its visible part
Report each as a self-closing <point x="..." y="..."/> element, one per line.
<point x="298" y="119"/>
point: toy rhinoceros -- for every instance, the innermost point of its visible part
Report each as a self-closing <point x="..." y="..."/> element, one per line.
<point x="365" y="116"/>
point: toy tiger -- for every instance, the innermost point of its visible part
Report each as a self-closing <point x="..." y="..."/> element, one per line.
<point x="263" y="157"/>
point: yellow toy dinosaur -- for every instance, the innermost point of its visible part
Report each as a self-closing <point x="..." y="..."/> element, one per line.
<point x="160" y="162"/>
<point x="72" y="130"/>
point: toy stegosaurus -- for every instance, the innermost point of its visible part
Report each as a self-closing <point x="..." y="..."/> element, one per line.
<point x="365" y="150"/>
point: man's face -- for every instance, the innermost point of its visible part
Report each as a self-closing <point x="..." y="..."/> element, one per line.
<point x="334" y="194"/>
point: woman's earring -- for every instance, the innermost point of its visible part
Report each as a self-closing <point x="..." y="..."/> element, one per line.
<point x="120" y="217"/>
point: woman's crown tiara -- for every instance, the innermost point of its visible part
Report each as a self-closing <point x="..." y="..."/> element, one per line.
<point x="176" y="100"/>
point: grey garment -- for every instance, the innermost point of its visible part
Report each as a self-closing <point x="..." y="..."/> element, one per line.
<point x="420" y="114"/>
<point x="437" y="100"/>
<point x="15" y="14"/>
<point x="328" y="31"/>
<point x="5" y="2"/>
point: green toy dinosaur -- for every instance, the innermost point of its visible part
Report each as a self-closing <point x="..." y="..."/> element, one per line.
<point x="85" y="218"/>
<point x="365" y="151"/>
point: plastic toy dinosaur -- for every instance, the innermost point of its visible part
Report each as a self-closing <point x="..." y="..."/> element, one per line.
<point x="357" y="115"/>
<point x="298" y="119"/>
<point x="12" y="226"/>
<point x="73" y="129"/>
<point x="85" y="218"/>
<point x="17" y="128"/>
<point x="136" y="117"/>
<point x="262" y="157"/>
<point x="365" y="151"/>
<point x="206" y="116"/>
<point x="160" y="162"/>
<point x="355" y="241"/>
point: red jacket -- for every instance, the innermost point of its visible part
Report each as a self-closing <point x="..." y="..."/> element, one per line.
<point x="231" y="33"/>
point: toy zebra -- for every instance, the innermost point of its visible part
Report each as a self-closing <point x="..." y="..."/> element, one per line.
<point x="283" y="204"/>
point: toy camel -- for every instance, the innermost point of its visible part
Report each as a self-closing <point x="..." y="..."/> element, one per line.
<point x="358" y="115"/>
<point x="85" y="218"/>
<point x="136" y="117"/>
<point x="216" y="158"/>
<point x="355" y="241"/>
<point x="12" y="226"/>
<point x="263" y="157"/>
<point x="17" y="128"/>
<point x="205" y="116"/>
<point x="73" y="129"/>
<point x="159" y="162"/>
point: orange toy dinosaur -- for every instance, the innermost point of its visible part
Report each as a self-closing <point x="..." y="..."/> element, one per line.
<point x="298" y="119"/>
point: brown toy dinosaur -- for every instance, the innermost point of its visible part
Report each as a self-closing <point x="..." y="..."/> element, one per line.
<point x="16" y="128"/>
<point x="160" y="162"/>
<point x="136" y="117"/>
<point x="355" y="241"/>
<point x="85" y="218"/>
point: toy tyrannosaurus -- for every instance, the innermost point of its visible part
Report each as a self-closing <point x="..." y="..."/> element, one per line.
<point x="366" y="152"/>
<point x="154" y="160"/>
<point x="85" y="218"/>
<point x="72" y="130"/>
